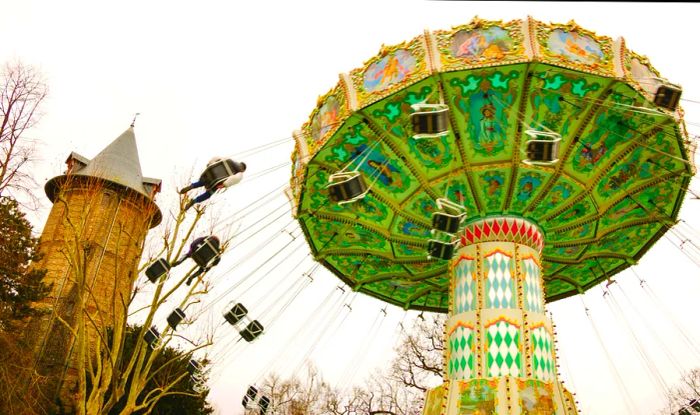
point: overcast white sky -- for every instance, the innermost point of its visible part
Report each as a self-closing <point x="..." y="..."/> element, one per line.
<point x="217" y="78"/>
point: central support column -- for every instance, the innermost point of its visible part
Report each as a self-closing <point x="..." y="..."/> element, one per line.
<point x="500" y="357"/>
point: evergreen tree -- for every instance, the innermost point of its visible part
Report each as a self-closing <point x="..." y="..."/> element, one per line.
<point x="20" y="283"/>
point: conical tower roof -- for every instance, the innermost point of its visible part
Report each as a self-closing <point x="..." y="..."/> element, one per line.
<point x="118" y="164"/>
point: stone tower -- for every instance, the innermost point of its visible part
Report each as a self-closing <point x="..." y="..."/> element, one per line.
<point x="92" y="243"/>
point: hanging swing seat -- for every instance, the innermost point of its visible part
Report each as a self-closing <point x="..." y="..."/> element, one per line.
<point x="235" y="314"/>
<point x="152" y="337"/>
<point x="251" y="331"/>
<point x="157" y="270"/>
<point x="194" y="367"/>
<point x="346" y="187"/>
<point x="264" y="403"/>
<point x="199" y="386"/>
<point x="542" y="148"/>
<point x="218" y="172"/>
<point x="207" y="252"/>
<point x="667" y="96"/>
<point x="450" y="216"/>
<point x="430" y="120"/>
<point x="250" y="396"/>
<point x="440" y="249"/>
<point x="175" y="318"/>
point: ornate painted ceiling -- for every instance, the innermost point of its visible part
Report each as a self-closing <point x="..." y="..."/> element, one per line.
<point x="618" y="186"/>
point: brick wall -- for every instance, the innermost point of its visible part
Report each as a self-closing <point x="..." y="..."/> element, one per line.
<point x="92" y="246"/>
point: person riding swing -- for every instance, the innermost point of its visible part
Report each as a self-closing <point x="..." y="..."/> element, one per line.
<point x="205" y="252"/>
<point x="220" y="174"/>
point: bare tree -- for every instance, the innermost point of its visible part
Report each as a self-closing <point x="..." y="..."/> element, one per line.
<point x="396" y="390"/>
<point x="683" y="395"/>
<point x="109" y="380"/>
<point x="22" y="90"/>
<point x="298" y="395"/>
<point x="418" y="362"/>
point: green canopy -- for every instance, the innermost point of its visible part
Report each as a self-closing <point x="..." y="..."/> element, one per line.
<point x="618" y="185"/>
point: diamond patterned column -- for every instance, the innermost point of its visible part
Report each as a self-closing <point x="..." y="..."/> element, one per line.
<point x="499" y="357"/>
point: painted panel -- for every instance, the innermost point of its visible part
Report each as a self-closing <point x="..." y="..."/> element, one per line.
<point x="433" y="400"/>
<point x="536" y="398"/>
<point x="477" y="397"/>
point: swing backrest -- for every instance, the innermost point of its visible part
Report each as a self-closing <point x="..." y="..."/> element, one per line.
<point x="543" y="148"/>
<point x="193" y="367"/>
<point x="251" y="331"/>
<point x="440" y="249"/>
<point x="264" y="404"/>
<point x="430" y="120"/>
<point x="667" y="96"/>
<point x="445" y="222"/>
<point x="207" y="252"/>
<point x="218" y="172"/>
<point x="346" y="187"/>
<point x="175" y="318"/>
<point x="450" y="216"/>
<point x="152" y="337"/>
<point x="157" y="270"/>
<point x="235" y="314"/>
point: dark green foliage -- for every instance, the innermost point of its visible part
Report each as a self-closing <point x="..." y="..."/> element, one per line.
<point x="20" y="284"/>
<point x="185" y="403"/>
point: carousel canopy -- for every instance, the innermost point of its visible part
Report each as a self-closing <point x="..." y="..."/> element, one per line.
<point x="617" y="186"/>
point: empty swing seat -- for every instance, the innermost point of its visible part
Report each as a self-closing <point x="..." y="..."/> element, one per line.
<point x="667" y="96"/>
<point x="445" y="222"/>
<point x="207" y="252"/>
<point x="235" y="314"/>
<point x="251" y="393"/>
<point x="543" y="148"/>
<point x="151" y="337"/>
<point x="250" y="396"/>
<point x="264" y="404"/>
<point x="430" y="120"/>
<point x="157" y="270"/>
<point x="251" y="331"/>
<point x="193" y="367"/>
<point x="199" y="386"/>
<point x="440" y="249"/>
<point x="542" y="151"/>
<point x="220" y="171"/>
<point x="175" y="318"/>
<point x="346" y="187"/>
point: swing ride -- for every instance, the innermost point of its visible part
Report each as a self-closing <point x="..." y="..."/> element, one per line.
<point x="483" y="171"/>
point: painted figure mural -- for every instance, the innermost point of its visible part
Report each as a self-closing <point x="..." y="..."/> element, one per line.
<point x="390" y="70"/>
